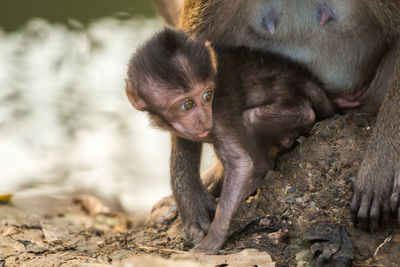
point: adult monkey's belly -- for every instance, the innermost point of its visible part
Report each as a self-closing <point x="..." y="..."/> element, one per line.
<point x="343" y="42"/>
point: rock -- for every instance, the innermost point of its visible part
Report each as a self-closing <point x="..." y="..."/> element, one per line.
<point x="304" y="258"/>
<point x="331" y="245"/>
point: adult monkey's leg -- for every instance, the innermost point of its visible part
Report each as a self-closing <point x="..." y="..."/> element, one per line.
<point x="377" y="187"/>
<point x="169" y="10"/>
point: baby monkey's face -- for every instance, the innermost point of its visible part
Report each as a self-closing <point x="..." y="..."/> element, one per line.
<point x="189" y="111"/>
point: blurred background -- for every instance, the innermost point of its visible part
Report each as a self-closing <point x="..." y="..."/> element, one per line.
<point x="65" y="123"/>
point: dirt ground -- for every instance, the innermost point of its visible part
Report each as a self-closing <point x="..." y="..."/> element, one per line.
<point x="299" y="217"/>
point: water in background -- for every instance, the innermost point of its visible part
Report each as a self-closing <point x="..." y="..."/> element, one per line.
<point x="64" y="116"/>
<point x="14" y="14"/>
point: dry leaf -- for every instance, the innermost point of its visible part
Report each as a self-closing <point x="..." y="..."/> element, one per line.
<point x="90" y="204"/>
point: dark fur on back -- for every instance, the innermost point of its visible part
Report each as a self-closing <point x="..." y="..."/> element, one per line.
<point x="172" y="59"/>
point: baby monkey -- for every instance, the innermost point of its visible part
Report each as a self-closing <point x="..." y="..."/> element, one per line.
<point x="246" y="103"/>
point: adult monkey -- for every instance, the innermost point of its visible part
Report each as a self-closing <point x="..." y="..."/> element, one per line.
<point x="350" y="45"/>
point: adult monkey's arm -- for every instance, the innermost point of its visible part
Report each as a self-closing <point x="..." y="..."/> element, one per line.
<point x="169" y="10"/>
<point x="377" y="187"/>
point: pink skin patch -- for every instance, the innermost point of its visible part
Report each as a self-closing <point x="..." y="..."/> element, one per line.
<point x="344" y="103"/>
<point x="350" y="100"/>
<point x="203" y="134"/>
<point x="325" y="17"/>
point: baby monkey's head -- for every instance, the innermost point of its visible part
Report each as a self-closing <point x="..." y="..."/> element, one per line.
<point x="172" y="77"/>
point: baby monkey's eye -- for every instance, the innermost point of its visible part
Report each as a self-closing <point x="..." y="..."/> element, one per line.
<point x="207" y="96"/>
<point x="187" y="105"/>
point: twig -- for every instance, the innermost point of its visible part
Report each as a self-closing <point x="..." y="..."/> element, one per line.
<point x="160" y="250"/>
<point x="387" y="240"/>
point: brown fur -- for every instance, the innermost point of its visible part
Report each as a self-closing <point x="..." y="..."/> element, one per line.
<point x="344" y="54"/>
<point x="169" y="10"/>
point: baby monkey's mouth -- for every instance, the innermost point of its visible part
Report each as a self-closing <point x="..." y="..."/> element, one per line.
<point x="203" y="134"/>
<point x="195" y="136"/>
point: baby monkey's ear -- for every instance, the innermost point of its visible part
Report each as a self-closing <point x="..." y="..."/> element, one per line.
<point x="131" y="92"/>
<point x="212" y="55"/>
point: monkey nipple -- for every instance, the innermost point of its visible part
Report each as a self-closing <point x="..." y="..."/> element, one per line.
<point x="325" y="15"/>
<point x="270" y="21"/>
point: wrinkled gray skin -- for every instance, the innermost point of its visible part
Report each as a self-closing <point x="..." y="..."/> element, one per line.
<point x="352" y="47"/>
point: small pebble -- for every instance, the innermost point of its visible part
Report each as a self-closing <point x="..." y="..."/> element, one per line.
<point x="290" y="199"/>
<point x="299" y="201"/>
<point x="291" y="189"/>
<point x="265" y="221"/>
<point x="275" y="236"/>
